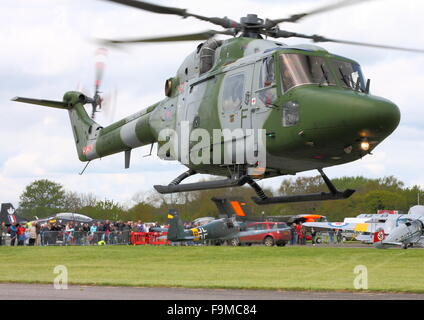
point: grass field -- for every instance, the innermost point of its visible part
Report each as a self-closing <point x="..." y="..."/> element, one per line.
<point x="288" y="268"/>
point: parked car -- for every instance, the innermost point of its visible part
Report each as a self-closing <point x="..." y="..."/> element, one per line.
<point x="268" y="233"/>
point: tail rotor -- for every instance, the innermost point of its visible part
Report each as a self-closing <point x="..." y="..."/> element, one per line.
<point x="97" y="100"/>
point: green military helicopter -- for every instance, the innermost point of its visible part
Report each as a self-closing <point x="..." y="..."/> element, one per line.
<point x="291" y="108"/>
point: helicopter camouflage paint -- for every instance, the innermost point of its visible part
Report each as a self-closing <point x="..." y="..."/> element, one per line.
<point x="298" y="108"/>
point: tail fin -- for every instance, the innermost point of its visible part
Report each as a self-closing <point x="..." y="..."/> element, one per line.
<point x="379" y="236"/>
<point x="85" y="130"/>
<point x="176" y="229"/>
<point x="229" y="207"/>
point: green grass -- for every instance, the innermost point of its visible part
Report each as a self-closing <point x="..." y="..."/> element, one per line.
<point x="289" y="268"/>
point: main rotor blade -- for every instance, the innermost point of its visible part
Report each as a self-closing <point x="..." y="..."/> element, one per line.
<point x="183" y="37"/>
<point x="223" y="22"/>
<point x="317" y="38"/>
<point x="296" y="17"/>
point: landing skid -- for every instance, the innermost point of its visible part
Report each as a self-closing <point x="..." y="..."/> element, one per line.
<point x="334" y="194"/>
<point x="176" y="186"/>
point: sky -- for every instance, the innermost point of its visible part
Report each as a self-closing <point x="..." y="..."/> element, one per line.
<point x="47" y="49"/>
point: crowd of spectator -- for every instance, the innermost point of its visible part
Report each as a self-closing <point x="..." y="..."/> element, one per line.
<point x="75" y="233"/>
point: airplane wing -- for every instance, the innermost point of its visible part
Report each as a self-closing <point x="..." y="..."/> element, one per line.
<point x="354" y="227"/>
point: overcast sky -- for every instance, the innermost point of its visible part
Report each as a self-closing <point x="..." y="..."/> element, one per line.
<point x="46" y="51"/>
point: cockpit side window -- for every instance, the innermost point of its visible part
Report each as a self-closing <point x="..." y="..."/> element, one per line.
<point x="350" y="74"/>
<point x="233" y="93"/>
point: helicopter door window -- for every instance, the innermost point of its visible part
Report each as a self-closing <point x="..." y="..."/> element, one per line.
<point x="267" y="75"/>
<point x="267" y="92"/>
<point x="300" y="69"/>
<point x="233" y="93"/>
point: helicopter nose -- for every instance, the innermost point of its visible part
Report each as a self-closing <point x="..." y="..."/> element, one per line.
<point x="372" y="117"/>
<point x="346" y="118"/>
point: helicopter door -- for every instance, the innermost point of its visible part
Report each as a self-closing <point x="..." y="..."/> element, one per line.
<point x="234" y="110"/>
<point x="235" y="98"/>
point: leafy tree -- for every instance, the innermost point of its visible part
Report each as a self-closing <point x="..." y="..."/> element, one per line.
<point x="42" y="198"/>
<point x="104" y="210"/>
<point x="380" y="200"/>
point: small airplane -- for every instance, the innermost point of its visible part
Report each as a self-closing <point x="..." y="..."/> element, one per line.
<point x="409" y="231"/>
<point x="384" y="230"/>
<point x="219" y="229"/>
<point x="66" y="217"/>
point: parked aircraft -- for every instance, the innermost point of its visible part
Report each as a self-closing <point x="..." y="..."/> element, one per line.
<point x="384" y="230"/>
<point x="66" y="217"/>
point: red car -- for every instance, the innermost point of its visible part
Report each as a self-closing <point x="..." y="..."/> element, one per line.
<point x="268" y="233"/>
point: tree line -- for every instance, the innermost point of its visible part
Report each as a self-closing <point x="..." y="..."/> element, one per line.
<point x="43" y="198"/>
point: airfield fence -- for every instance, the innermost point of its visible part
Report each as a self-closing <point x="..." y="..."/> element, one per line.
<point x="81" y="238"/>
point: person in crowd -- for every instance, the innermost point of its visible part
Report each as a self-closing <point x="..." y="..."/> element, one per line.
<point x="21" y="234"/>
<point x="85" y="232"/>
<point x="299" y="233"/>
<point x="339" y="236"/>
<point x="119" y="228"/>
<point x="293" y="232"/>
<point x="54" y="233"/>
<point x="331" y="234"/>
<point x="303" y="231"/>
<point x="38" y="232"/>
<point x="140" y="226"/>
<point x="13" y="231"/>
<point x="77" y="234"/>
<point x="126" y="232"/>
<point x="32" y="234"/>
<point x="68" y="235"/>
<point x="44" y="234"/>
<point x="313" y="236"/>
<point x="93" y="233"/>
<point x="3" y="231"/>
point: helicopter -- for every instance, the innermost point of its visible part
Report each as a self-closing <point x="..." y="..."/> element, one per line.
<point x="260" y="108"/>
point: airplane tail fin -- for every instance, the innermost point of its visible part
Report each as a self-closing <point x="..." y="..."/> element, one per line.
<point x="84" y="128"/>
<point x="230" y="207"/>
<point x="176" y="229"/>
<point x="378" y="238"/>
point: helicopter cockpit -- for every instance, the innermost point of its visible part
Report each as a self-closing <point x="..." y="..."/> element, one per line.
<point x="299" y="69"/>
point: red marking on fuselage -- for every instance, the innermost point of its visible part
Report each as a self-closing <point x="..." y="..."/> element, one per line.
<point x="87" y="149"/>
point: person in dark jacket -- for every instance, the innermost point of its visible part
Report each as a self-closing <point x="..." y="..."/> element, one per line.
<point x="3" y="231"/>
<point x="13" y="229"/>
<point x="313" y="236"/>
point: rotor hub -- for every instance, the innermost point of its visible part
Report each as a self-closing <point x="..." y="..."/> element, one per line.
<point x="251" y="20"/>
